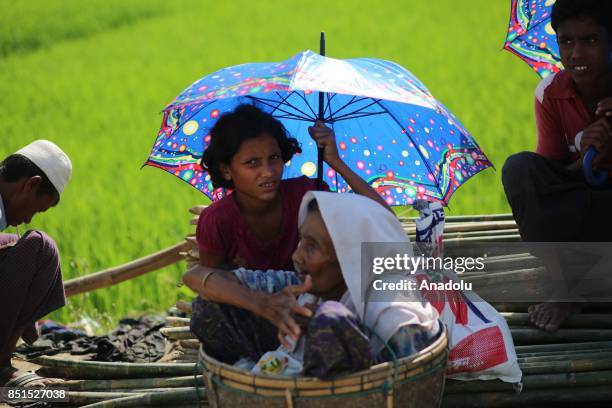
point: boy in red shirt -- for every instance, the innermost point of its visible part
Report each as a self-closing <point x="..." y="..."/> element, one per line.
<point x="550" y="200"/>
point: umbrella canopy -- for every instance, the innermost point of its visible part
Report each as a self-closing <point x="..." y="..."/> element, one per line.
<point x="531" y="36"/>
<point x="388" y="126"/>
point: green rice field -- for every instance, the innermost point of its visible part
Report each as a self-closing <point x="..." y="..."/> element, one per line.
<point x="93" y="77"/>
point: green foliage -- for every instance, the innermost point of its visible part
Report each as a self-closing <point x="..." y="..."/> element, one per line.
<point x="93" y="76"/>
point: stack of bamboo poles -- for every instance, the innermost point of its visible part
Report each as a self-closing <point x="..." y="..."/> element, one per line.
<point x="570" y="365"/>
<point x="552" y="373"/>
<point x="192" y="254"/>
<point x="178" y="350"/>
<point x="100" y="384"/>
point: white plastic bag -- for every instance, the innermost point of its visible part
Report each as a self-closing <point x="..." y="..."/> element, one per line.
<point x="480" y="342"/>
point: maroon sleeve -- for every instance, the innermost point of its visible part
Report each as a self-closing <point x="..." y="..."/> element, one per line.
<point x="551" y="139"/>
<point x="209" y="233"/>
<point x="309" y="184"/>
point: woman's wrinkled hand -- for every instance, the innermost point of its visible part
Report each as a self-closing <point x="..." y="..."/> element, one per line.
<point x="279" y="308"/>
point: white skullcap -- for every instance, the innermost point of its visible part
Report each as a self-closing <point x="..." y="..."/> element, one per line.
<point x="51" y="160"/>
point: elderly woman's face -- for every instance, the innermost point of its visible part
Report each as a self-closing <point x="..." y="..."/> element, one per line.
<point x="315" y="256"/>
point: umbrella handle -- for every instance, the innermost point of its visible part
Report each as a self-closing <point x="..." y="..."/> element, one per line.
<point x="595" y="179"/>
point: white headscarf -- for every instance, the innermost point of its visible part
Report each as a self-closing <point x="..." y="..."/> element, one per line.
<point x="350" y="220"/>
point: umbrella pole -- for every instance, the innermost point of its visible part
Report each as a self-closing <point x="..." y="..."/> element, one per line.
<point x="321" y="118"/>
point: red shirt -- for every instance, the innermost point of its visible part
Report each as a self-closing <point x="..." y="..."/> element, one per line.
<point x="223" y="231"/>
<point x="560" y="115"/>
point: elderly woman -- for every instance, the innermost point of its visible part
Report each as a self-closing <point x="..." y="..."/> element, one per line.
<point x="336" y="328"/>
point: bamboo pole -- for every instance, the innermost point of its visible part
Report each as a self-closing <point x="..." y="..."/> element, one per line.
<point x="534" y="336"/>
<point x="177" y="321"/>
<point x="475" y="246"/>
<point x="531" y="382"/>
<point x="589" y="345"/>
<point x="587" y="321"/>
<point x="548" y="358"/>
<point x="578" y="395"/>
<point x="463" y="242"/>
<point x="497" y="278"/>
<point x="134" y="383"/>
<point x="112" y="276"/>
<point x="468" y="226"/>
<point x="511" y="307"/>
<point x="472" y="234"/>
<point x="469" y="218"/>
<point x="177" y="333"/>
<point x="564" y="352"/>
<point x="89" y="397"/>
<point x="197" y="209"/>
<point x="170" y="398"/>
<point x="183" y="306"/>
<point x="190" y="344"/>
<point x="86" y="370"/>
<point x="567" y="366"/>
<point x="526" y="262"/>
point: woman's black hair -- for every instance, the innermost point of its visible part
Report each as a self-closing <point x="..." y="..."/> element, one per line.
<point x="17" y="166"/>
<point x="599" y="10"/>
<point x="243" y="123"/>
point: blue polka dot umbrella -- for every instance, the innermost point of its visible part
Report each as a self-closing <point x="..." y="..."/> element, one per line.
<point x="531" y="37"/>
<point x="388" y="126"/>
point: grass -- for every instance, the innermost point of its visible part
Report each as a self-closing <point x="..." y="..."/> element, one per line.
<point x="93" y="76"/>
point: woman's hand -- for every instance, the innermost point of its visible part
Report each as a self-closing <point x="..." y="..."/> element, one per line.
<point x="326" y="139"/>
<point x="278" y="308"/>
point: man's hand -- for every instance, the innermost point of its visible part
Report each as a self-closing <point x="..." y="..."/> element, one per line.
<point x="326" y="139"/>
<point x="278" y="308"/>
<point x="599" y="135"/>
<point x="604" y="108"/>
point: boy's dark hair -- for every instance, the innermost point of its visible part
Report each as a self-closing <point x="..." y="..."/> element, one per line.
<point x="243" y="123"/>
<point x="598" y="10"/>
<point x="16" y="166"/>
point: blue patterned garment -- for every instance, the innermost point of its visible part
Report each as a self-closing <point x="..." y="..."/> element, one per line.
<point x="269" y="281"/>
<point x="408" y="340"/>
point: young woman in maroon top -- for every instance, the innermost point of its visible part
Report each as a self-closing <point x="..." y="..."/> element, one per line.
<point x="256" y="225"/>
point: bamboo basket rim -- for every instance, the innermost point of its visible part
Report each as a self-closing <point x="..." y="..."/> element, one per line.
<point x="267" y="384"/>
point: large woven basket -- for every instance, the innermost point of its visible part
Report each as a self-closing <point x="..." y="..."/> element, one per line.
<point x="416" y="381"/>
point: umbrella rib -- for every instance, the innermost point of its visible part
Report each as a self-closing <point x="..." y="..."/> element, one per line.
<point x="293" y="117"/>
<point x="413" y="142"/>
<point x="375" y="101"/>
<point x="328" y="105"/>
<point x="265" y="102"/>
<point x="306" y="102"/>
<point x="354" y="115"/>
<point x="350" y="103"/>
<point x="284" y="102"/>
